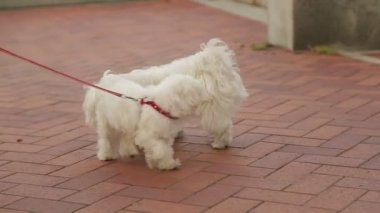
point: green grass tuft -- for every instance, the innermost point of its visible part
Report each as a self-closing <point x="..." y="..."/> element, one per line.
<point x="260" y="46"/>
<point x="324" y="50"/>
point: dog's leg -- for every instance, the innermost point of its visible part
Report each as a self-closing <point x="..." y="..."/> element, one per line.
<point x="167" y="161"/>
<point x="105" y="151"/>
<point x="105" y="146"/>
<point x="127" y="147"/>
<point x="221" y="128"/>
<point x="159" y="154"/>
<point x="222" y="137"/>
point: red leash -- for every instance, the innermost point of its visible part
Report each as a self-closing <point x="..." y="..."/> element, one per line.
<point x="59" y="73"/>
<point x="157" y="108"/>
<point x="141" y="101"/>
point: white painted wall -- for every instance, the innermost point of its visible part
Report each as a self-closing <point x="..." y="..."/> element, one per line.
<point x="280" y="23"/>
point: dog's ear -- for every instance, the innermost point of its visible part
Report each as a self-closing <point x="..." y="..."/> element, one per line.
<point x="190" y="88"/>
<point x="182" y="93"/>
<point x="192" y="93"/>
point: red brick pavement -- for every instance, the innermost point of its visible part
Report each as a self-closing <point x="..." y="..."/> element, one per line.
<point x="307" y="140"/>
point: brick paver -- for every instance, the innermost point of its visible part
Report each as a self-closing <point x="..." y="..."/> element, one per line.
<point x="306" y="140"/>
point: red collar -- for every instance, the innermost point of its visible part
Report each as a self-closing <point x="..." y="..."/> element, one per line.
<point x="157" y="108"/>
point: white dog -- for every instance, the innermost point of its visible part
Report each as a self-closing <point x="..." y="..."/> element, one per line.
<point x="216" y="68"/>
<point x="122" y="124"/>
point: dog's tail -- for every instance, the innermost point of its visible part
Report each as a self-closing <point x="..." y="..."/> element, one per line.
<point x="91" y="100"/>
<point x="89" y="107"/>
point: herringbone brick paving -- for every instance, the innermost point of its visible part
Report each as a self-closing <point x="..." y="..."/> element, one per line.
<point x="307" y="139"/>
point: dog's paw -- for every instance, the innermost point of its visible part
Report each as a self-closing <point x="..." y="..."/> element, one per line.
<point x="105" y="156"/>
<point x="128" y="150"/>
<point x="129" y="153"/>
<point x="218" y="145"/>
<point x="169" y="165"/>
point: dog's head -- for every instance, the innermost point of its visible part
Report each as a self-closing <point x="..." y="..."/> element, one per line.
<point x="221" y="71"/>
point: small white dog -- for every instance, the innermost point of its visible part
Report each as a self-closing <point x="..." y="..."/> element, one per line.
<point x="122" y="124"/>
<point x="216" y="68"/>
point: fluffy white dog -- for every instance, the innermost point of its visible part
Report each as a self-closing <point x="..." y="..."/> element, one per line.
<point x="122" y="124"/>
<point x="216" y="68"/>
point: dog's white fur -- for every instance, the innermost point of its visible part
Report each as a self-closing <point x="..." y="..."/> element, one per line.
<point x="216" y="68"/>
<point x="122" y="124"/>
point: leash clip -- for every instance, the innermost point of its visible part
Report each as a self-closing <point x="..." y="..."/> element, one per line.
<point x="130" y="98"/>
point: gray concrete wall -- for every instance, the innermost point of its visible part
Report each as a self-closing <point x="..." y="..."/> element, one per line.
<point x="6" y="4"/>
<point x="351" y="23"/>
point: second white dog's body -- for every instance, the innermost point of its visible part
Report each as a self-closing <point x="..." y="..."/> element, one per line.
<point x="216" y="68"/>
<point x="122" y="124"/>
